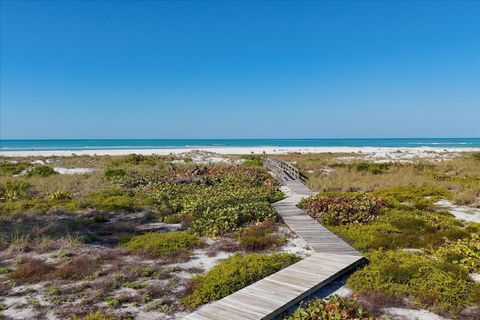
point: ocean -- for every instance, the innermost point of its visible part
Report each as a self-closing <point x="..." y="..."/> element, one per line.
<point x="133" y="144"/>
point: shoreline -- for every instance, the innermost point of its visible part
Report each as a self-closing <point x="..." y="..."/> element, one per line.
<point x="235" y="151"/>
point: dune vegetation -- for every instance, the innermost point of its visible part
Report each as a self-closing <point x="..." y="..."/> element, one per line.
<point x="420" y="256"/>
<point x="350" y="172"/>
<point x="331" y="308"/>
<point x="129" y="234"/>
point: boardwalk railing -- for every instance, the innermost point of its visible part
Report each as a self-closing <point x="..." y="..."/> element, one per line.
<point x="282" y="169"/>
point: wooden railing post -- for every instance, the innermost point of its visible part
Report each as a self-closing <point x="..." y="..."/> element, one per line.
<point x="282" y="169"/>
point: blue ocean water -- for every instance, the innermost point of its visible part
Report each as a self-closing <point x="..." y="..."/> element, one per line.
<point x="99" y="144"/>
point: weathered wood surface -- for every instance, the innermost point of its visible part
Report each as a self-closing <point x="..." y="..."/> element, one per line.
<point x="274" y="294"/>
<point x="317" y="236"/>
<point x="299" y="189"/>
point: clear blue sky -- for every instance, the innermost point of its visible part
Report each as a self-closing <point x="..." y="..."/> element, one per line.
<point x="86" y="69"/>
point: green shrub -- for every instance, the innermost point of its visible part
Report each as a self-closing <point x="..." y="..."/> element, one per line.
<point x="388" y="272"/>
<point x="367" y="237"/>
<point x="60" y="195"/>
<point x="42" y="171"/>
<point x="260" y="242"/>
<point x="111" y="200"/>
<point x="113" y="302"/>
<point x="405" y="228"/>
<point x="171" y="198"/>
<point x="31" y="205"/>
<point x="342" y="209"/>
<point x="220" y="199"/>
<point x="252" y="160"/>
<point x="419" y="278"/>
<point x="173" y="218"/>
<point x="431" y="287"/>
<point x="218" y="220"/>
<point x="144" y="271"/>
<point x="137" y="159"/>
<point x="18" y="193"/>
<point x="5" y="270"/>
<point x="115" y="174"/>
<point x="10" y="169"/>
<point x="375" y="168"/>
<point x="233" y="274"/>
<point x="361" y="166"/>
<point x="260" y="237"/>
<point x="159" y="306"/>
<point x="332" y="308"/>
<point x="134" y="285"/>
<point x="410" y="194"/>
<point x="423" y="166"/>
<point x="159" y="244"/>
<point x="16" y="189"/>
<point x="464" y="253"/>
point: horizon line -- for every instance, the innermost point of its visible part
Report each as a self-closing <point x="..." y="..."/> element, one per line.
<point x="343" y="138"/>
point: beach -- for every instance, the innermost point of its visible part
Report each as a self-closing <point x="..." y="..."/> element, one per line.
<point x="371" y="153"/>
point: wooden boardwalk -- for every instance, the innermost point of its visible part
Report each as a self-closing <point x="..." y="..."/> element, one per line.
<point x="317" y="236"/>
<point x="274" y="294"/>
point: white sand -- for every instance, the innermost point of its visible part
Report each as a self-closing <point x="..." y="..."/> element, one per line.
<point x="73" y="170"/>
<point x="464" y="213"/>
<point x="475" y="276"/>
<point x="375" y="152"/>
<point x="411" y="314"/>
